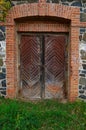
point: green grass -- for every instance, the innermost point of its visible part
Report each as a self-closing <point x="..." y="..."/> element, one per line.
<point x="42" y="115"/>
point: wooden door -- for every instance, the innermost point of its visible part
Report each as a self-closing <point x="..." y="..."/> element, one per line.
<point x="30" y="67"/>
<point x="42" y="66"/>
<point x="54" y="66"/>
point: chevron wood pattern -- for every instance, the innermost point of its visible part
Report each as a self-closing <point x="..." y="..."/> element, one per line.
<point x="54" y="66"/>
<point x="42" y="71"/>
<point x="30" y="70"/>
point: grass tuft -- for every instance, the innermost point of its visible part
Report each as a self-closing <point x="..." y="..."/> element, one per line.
<point x="42" y="115"/>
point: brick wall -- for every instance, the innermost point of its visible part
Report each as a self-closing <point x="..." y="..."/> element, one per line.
<point x="39" y="26"/>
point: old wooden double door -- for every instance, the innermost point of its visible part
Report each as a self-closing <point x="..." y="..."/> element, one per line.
<point x="42" y="66"/>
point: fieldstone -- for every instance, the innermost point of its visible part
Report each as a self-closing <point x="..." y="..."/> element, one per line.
<point x="23" y="2"/>
<point x="84" y="1"/>
<point x="84" y="62"/>
<point x="82" y="96"/>
<point x="2" y="89"/>
<point x="77" y="3"/>
<point x="63" y="0"/>
<point x="2" y="54"/>
<point x="12" y="3"/>
<point x="81" y="91"/>
<point x="1" y="37"/>
<point x="84" y="5"/>
<point x="3" y="92"/>
<point x="2" y="28"/>
<point x="83" y="71"/>
<point x="83" y="75"/>
<point x="84" y="66"/>
<point x="80" y="87"/>
<point x="81" y="9"/>
<point x="80" y="37"/>
<point x="1" y="62"/>
<point x="70" y="0"/>
<point x="0" y="69"/>
<point x="3" y="83"/>
<point x="84" y="88"/>
<point x="84" y="10"/>
<point x="84" y="37"/>
<point x="82" y="81"/>
<point x="83" y="17"/>
<point x="65" y="4"/>
<point x="83" y="54"/>
<point x="32" y="1"/>
<point x="82" y="30"/>
<point x="53" y="1"/>
<point x="2" y="76"/>
<point x="4" y="70"/>
<point x="79" y="71"/>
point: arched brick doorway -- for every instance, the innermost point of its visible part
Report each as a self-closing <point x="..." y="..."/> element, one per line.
<point x="41" y="18"/>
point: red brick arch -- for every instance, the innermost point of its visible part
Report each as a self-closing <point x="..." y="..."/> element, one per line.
<point x="44" y="9"/>
<point x="41" y="10"/>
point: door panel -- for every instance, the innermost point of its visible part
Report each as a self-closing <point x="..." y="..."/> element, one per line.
<point x="42" y="66"/>
<point x="54" y="66"/>
<point x="30" y="69"/>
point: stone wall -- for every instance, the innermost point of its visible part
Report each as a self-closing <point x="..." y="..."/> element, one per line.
<point x="82" y="68"/>
<point x="2" y="61"/>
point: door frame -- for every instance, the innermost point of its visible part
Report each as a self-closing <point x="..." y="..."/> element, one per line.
<point x="19" y="34"/>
